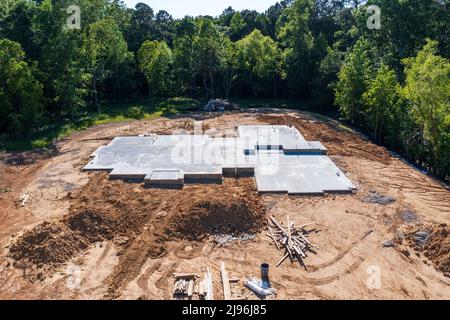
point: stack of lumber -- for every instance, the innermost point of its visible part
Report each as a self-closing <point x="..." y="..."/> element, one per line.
<point x="293" y="240"/>
<point x="185" y="284"/>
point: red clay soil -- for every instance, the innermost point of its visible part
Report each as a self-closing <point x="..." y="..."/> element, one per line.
<point x="47" y="244"/>
<point x="436" y="247"/>
<point x="141" y="221"/>
<point x="148" y="234"/>
<point x="339" y="141"/>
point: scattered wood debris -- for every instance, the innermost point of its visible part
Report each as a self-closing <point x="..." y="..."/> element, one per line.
<point x="188" y="286"/>
<point x="181" y="287"/>
<point x="23" y="199"/>
<point x="292" y="239"/>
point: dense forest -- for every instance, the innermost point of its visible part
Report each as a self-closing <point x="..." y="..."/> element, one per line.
<point x="392" y="81"/>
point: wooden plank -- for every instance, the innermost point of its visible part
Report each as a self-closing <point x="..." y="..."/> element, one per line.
<point x="299" y="242"/>
<point x="190" y="289"/>
<point x="305" y="239"/>
<point x="273" y="237"/>
<point x="299" y="252"/>
<point x="206" y="286"/>
<point x="282" y="259"/>
<point x="225" y="282"/>
<point x="308" y="224"/>
<point x="185" y="275"/>
<point x="202" y="289"/>
<point x="24" y="197"/>
<point x="277" y="224"/>
<point x="209" y="285"/>
<point x="196" y="288"/>
<point x="286" y="246"/>
<point x="289" y="232"/>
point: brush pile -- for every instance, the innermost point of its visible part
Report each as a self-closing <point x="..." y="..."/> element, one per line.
<point x="293" y="240"/>
<point x="215" y="105"/>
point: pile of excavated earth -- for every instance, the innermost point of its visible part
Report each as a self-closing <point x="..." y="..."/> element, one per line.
<point x="114" y="210"/>
<point x="433" y="242"/>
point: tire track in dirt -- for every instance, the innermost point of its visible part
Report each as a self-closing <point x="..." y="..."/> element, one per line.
<point x="163" y="281"/>
<point x="6" y="280"/>
<point x="129" y="266"/>
<point x="100" y="259"/>
<point x="414" y="185"/>
<point x="133" y="257"/>
<point x="90" y="291"/>
<point x="105" y="252"/>
<point x="340" y="255"/>
<point x="142" y="281"/>
<point x="52" y="290"/>
<point x="325" y="280"/>
<point x="330" y="279"/>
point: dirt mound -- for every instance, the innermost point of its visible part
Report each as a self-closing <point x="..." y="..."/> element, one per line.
<point x="142" y="222"/>
<point x="338" y="140"/>
<point x="47" y="244"/>
<point x="434" y="243"/>
<point x="437" y="248"/>
<point x="223" y="216"/>
<point x="92" y="225"/>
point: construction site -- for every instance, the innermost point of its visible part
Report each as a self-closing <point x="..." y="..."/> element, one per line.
<point x="241" y="205"/>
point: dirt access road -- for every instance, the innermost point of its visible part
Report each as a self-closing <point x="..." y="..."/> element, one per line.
<point x="81" y="236"/>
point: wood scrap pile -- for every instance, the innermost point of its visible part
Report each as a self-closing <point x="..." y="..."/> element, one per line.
<point x="184" y="286"/>
<point x="188" y="285"/>
<point x="215" y="105"/>
<point x="23" y="199"/>
<point x="292" y="239"/>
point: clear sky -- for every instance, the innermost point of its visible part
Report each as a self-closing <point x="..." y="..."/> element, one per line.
<point x="180" y="8"/>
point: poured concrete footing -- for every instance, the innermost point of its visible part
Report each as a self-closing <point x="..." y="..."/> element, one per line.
<point x="169" y="178"/>
<point x="279" y="158"/>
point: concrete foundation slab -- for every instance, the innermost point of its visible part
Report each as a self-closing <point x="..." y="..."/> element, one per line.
<point x="280" y="159"/>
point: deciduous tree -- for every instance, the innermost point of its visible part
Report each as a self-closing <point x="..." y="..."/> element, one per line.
<point x="427" y="87"/>
<point x="155" y="59"/>
<point x="21" y="100"/>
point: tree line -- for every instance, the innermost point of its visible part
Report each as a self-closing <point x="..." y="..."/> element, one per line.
<point x="391" y="82"/>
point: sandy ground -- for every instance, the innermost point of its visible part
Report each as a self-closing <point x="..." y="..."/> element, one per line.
<point x="351" y="256"/>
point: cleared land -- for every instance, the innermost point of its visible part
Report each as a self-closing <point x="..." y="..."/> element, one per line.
<point x="124" y="241"/>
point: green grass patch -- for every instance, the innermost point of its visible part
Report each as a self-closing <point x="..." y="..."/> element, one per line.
<point x="303" y="105"/>
<point x="138" y="110"/>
